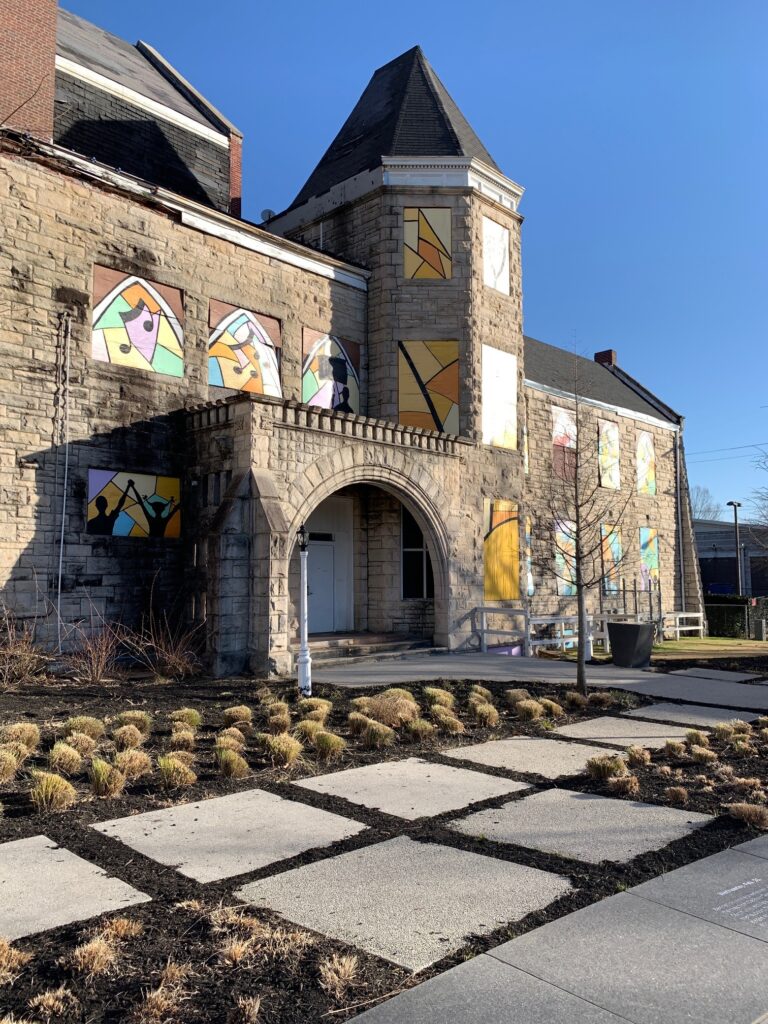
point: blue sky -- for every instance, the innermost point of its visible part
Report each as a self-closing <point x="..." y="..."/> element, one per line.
<point x="639" y="130"/>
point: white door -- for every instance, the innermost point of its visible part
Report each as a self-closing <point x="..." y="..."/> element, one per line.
<point x="320" y="583"/>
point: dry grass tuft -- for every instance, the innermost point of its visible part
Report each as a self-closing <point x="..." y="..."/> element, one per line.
<point x="696" y="738"/>
<point x="606" y="766"/>
<point x="64" y="758"/>
<point x="133" y="763"/>
<point x="183" y="739"/>
<point x="120" y="929"/>
<point x="513" y="697"/>
<point x="246" y="1010"/>
<point x="676" y="795"/>
<point x="357" y="722"/>
<point x="11" y="962"/>
<point x="551" y="708"/>
<point x="446" y="720"/>
<point x="723" y="731"/>
<point x="234" y="951"/>
<point x="485" y="715"/>
<point x="437" y="695"/>
<point x="175" y="974"/>
<point x="740" y="727"/>
<point x="338" y="973"/>
<point x="315" y="706"/>
<point x="141" y="719"/>
<point x="237" y="713"/>
<point x="529" y="710"/>
<point x="329" y="746"/>
<point x="755" y="815"/>
<point x="82" y="743"/>
<point x="51" y="792"/>
<point x="391" y="711"/>
<point x="674" y="748"/>
<point x="279" y="720"/>
<point x="8" y="765"/>
<point x="702" y="755"/>
<point x="106" y="780"/>
<point x="128" y="737"/>
<point x="18" y="752"/>
<point x="376" y="735"/>
<point x="93" y="727"/>
<point x="741" y="747"/>
<point x="21" y="732"/>
<point x="230" y="764"/>
<point x="187" y="716"/>
<point x="174" y="774"/>
<point x="159" y="1006"/>
<point x="601" y="699"/>
<point x="481" y="691"/>
<point x="94" y="957"/>
<point x="283" y="749"/>
<point x="232" y="733"/>
<point x="624" y="785"/>
<point x="398" y="691"/>
<point x="664" y="770"/>
<point x="55" y="1003"/>
<point x="227" y="743"/>
<point x="745" y="785"/>
<point x="575" y="701"/>
<point x="307" y="729"/>
<point x="637" y="756"/>
<point x="420" y="729"/>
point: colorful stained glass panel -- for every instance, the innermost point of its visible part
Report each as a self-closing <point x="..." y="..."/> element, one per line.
<point x="609" y="455"/>
<point x="565" y="558"/>
<point x="610" y="538"/>
<point x="125" y="504"/>
<point x="428" y="385"/>
<point x="649" y="556"/>
<point x="501" y="550"/>
<point x="646" y="463"/>
<point x="499" y="398"/>
<point x="331" y="372"/>
<point x="242" y="353"/>
<point x="427" y="243"/>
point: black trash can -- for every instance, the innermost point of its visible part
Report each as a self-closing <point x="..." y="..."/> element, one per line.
<point x="631" y="643"/>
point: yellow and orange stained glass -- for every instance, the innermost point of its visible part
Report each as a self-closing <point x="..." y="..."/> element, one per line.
<point x="427" y="243"/>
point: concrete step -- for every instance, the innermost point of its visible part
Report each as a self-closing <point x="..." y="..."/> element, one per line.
<point x="331" y="660"/>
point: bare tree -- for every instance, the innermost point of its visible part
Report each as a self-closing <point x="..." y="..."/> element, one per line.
<point x="704" y="505"/>
<point x="585" y="508"/>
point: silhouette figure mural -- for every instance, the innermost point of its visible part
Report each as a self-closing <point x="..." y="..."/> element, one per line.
<point x="331" y="373"/>
<point x="122" y="504"/>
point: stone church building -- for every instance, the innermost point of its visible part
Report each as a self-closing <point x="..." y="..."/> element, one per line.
<point x="181" y="389"/>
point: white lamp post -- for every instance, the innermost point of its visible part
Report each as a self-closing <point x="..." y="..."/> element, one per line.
<point x="304" y="661"/>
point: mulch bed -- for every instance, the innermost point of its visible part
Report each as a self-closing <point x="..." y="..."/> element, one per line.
<point x="289" y="981"/>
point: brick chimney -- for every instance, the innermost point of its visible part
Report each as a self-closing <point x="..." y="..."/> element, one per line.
<point x="235" y="174"/>
<point x="606" y="357"/>
<point x="28" y="66"/>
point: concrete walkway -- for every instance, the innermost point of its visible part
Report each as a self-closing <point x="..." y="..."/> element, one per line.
<point x="501" y="668"/>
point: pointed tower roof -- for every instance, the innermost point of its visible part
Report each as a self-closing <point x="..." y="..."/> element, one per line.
<point x="404" y="111"/>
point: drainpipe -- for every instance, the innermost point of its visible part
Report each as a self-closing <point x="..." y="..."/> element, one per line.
<point x="678" y="501"/>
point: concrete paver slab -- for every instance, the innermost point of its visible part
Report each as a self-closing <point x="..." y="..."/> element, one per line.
<point x="621" y="732"/>
<point x="719" y="674"/>
<point x="728" y="888"/>
<point x="648" y="963"/>
<point x="411" y="903"/>
<point x="748" y="696"/>
<point x="43" y="886"/>
<point x="756" y="847"/>
<point x="582" y="826"/>
<point x="689" y="714"/>
<point x="551" y="759"/>
<point x="486" y="991"/>
<point x="229" y="835"/>
<point x="412" y="788"/>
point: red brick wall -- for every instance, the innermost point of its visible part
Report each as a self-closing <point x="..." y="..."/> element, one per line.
<point x="235" y="174"/>
<point x="27" y="67"/>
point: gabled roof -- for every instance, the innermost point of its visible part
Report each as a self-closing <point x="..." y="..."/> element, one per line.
<point x="114" y="58"/>
<point x="404" y="111"/>
<point x="556" y="368"/>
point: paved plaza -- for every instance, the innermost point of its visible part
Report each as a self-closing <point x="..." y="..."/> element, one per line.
<point x="529" y="755"/>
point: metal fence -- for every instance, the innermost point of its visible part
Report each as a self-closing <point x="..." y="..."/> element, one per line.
<point x="744" y="620"/>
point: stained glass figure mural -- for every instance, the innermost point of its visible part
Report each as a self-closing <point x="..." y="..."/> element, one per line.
<point x="499" y="398"/>
<point x="646" y="463"/>
<point x="427" y="243"/>
<point x="125" y="504"/>
<point x="610" y="542"/>
<point x="649" y="556"/>
<point x="530" y="588"/>
<point x="501" y="550"/>
<point x="608" y="454"/>
<point x="564" y="438"/>
<point x="242" y="350"/>
<point x="565" y="558"/>
<point x="495" y="256"/>
<point x="137" y="323"/>
<point x="428" y="385"/>
<point x="330" y="376"/>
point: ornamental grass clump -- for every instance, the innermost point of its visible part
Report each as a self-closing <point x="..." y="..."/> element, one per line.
<point x="606" y="766"/>
<point x="551" y="708"/>
<point x="106" y="779"/>
<point x="64" y="759"/>
<point x="446" y="720"/>
<point x="11" y="962"/>
<point x="754" y="815"/>
<point x="514" y="697"/>
<point x="284" y="750"/>
<point x="189" y="717"/>
<point x="481" y="691"/>
<point x="723" y="731"/>
<point x="237" y="713"/>
<point x="624" y="785"/>
<point x="315" y="708"/>
<point x="51" y="792"/>
<point x="82" y="743"/>
<point x="357" y="722"/>
<point x="174" y="773"/>
<point x="674" y="748"/>
<point x="696" y="738"/>
<point x="133" y="763"/>
<point x="391" y="711"/>
<point x="17" y="751"/>
<point x="529" y="710"/>
<point x="279" y="719"/>
<point x="329" y="747"/>
<point x="745" y="785"/>
<point x="677" y="796"/>
<point x="338" y="973"/>
<point x="94" y="957"/>
<point x="741" y="727"/>
<point x="231" y="733"/>
<point x="231" y="764"/>
<point x="127" y="737"/>
<point x="420" y="729"/>
<point x="741" y="747"/>
<point x="485" y="714"/>
<point x="55" y="1004"/>
<point x="702" y="755"/>
<point x="637" y="756"/>
<point x="376" y="735"/>
<point x="601" y="699"/>
<point x="141" y="719"/>
<point x="307" y="729"/>
<point x="437" y="695"/>
<point x="575" y="701"/>
<point x="93" y="727"/>
<point x="182" y="739"/>
<point x="21" y="732"/>
<point x="8" y="765"/>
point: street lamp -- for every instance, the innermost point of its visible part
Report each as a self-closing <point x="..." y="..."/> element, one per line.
<point x="736" y="505"/>
<point x="304" y="661"/>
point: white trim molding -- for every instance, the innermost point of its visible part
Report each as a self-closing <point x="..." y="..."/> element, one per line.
<point x="136" y="99"/>
<point x="605" y="406"/>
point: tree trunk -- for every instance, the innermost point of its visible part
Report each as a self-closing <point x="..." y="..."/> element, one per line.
<point x="581" y="661"/>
